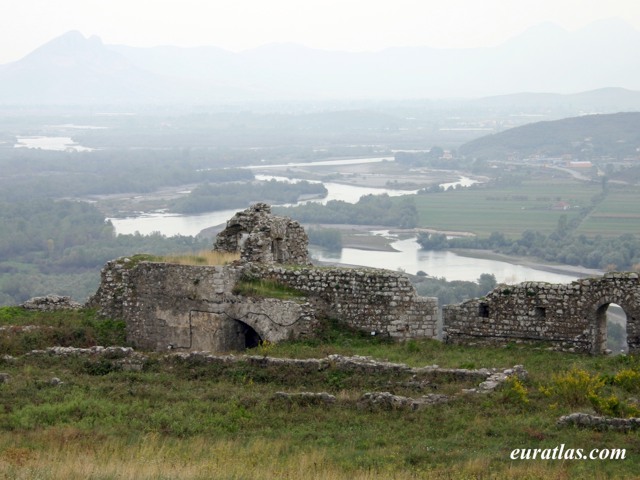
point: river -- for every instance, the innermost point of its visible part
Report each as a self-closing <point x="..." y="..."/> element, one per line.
<point x="408" y="257"/>
<point x="411" y="259"/>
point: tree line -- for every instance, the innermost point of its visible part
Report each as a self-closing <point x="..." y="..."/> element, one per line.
<point x="369" y="210"/>
<point x="27" y="173"/>
<point x="208" y="197"/>
<point x="60" y="247"/>
<point x="606" y="253"/>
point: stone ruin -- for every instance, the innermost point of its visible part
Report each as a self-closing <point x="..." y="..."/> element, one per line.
<point x="189" y="308"/>
<point x="51" y="303"/>
<point x="569" y="316"/>
<point x="262" y="237"/>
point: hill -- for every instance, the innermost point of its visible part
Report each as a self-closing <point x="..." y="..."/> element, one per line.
<point x="585" y="137"/>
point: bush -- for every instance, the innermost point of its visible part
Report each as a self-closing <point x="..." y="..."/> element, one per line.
<point x="575" y="387"/>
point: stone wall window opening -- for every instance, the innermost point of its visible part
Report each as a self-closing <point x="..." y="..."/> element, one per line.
<point x="483" y="310"/>
<point x="242" y="239"/>
<point x="277" y="250"/>
<point x="540" y="312"/>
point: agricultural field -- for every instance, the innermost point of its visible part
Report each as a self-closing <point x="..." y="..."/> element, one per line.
<point x="618" y="213"/>
<point x="534" y="204"/>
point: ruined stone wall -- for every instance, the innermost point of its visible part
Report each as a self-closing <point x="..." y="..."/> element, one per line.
<point x="194" y="307"/>
<point x="372" y="300"/>
<point x="168" y="306"/>
<point x="570" y="316"/>
<point x="262" y="237"/>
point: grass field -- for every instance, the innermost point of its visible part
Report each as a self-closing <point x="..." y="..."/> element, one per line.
<point x="187" y="419"/>
<point x="618" y="213"/>
<point x="507" y="209"/>
<point x="534" y="204"/>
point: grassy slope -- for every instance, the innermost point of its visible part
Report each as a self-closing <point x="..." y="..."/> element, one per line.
<point x="192" y="420"/>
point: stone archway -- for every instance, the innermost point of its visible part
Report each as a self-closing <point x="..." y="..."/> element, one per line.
<point x="248" y="335"/>
<point x="218" y="333"/>
<point x="599" y="325"/>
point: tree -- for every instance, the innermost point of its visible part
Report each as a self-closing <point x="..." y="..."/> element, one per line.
<point x="486" y="283"/>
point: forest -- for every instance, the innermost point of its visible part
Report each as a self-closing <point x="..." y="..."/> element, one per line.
<point x="31" y="173"/>
<point x="208" y="197"/>
<point x="369" y="210"/>
<point x="61" y="246"/>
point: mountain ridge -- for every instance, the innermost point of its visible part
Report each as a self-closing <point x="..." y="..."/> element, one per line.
<point x="75" y="69"/>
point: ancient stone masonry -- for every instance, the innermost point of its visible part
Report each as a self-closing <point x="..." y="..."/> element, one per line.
<point x="377" y="301"/>
<point x="191" y="308"/>
<point x="262" y="237"/>
<point x="571" y="317"/>
<point x="183" y="307"/>
<point x="51" y="303"/>
<point x="595" y="422"/>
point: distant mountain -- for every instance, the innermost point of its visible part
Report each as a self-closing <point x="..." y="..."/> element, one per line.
<point x="72" y="69"/>
<point x="543" y="59"/>
<point x="585" y="137"/>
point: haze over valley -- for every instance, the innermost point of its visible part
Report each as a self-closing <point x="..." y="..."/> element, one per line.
<point x="463" y="148"/>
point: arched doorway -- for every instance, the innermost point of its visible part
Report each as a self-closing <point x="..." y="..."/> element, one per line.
<point x="616" y="329"/>
<point x="610" y="330"/>
<point x="248" y="337"/>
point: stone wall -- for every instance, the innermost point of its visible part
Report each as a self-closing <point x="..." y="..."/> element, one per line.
<point x="185" y="307"/>
<point x="169" y="306"/>
<point x="262" y="237"/>
<point x="569" y="316"/>
<point x="372" y="300"/>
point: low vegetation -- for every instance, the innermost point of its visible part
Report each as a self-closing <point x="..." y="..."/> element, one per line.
<point x="265" y="288"/>
<point x="203" y="257"/>
<point x="192" y="419"/>
<point x="211" y="197"/>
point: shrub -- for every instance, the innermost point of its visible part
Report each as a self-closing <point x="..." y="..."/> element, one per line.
<point x="515" y="392"/>
<point x="628" y="380"/>
<point x="575" y="387"/>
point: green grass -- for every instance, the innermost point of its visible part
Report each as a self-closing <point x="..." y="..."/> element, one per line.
<point x="617" y="214"/>
<point x="63" y="328"/>
<point x="507" y="209"/>
<point x="192" y="419"/>
<point x="266" y="289"/>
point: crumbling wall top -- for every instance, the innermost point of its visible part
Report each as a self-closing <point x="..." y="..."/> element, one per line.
<point x="259" y="236"/>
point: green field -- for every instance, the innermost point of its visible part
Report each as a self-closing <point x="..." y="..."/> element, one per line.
<point x="532" y="205"/>
<point x="189" y="419"/>
<point x="618" y="213"/>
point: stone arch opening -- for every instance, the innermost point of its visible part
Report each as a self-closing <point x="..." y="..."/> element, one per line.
<point x="616" y="329"/>
<point x="248" y="337"/>
<point x="610" y="333"/>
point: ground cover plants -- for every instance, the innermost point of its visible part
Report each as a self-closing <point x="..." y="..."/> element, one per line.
<point x="90" y="416"/>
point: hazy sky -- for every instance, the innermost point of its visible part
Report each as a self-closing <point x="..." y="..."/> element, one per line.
<point x="354" y="25"/>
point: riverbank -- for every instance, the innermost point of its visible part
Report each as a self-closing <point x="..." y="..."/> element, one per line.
<point x="529" y="262"/>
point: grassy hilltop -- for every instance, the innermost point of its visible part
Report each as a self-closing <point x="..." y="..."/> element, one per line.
<point x="91" y="416"/>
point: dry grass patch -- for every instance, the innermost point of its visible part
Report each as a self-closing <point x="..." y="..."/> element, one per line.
<point x="203" y="257"/>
